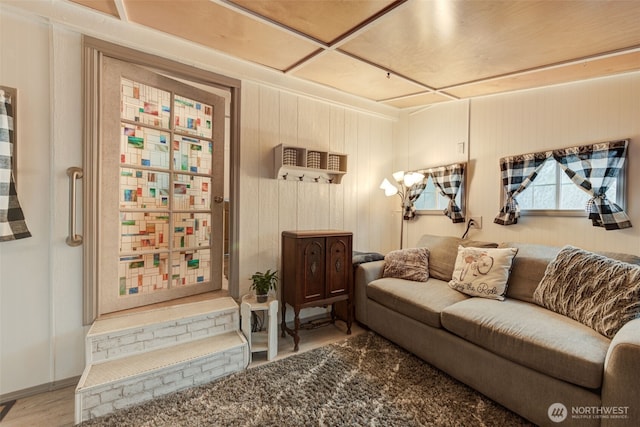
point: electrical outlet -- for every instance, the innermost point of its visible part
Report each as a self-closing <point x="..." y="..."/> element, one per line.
<point x="476" y="222"/>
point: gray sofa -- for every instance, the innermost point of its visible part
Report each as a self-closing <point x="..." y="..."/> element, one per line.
<point x="516" y="352"/>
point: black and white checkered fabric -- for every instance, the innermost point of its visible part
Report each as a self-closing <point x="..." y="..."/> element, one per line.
<point x="12" y="224"/>
<point x="594" y="168"/>
<point x="412" y="194"/>
<point x="448" y="180"/>
<point x="517" y="173"/>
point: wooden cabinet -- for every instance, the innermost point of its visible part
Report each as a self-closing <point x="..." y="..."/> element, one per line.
<point x="316" y="271"/>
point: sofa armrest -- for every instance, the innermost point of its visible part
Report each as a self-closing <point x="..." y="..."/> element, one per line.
<point x="365" y="273"/>
<point x="620" y="383"/>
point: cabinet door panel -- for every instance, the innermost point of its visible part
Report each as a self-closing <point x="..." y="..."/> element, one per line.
<point x="313" y="269"/>
<point x="338" y="266"/>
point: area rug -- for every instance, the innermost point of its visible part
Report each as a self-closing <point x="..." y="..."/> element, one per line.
<point x="362" y="381"/>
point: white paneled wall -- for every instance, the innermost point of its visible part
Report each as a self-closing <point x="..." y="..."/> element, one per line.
<point x="529" y="121"/>
<point x="434" y="135"/>
<point x="269" y="206"/>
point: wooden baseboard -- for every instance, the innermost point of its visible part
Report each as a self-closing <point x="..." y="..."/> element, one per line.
<point x="42" y="388"/>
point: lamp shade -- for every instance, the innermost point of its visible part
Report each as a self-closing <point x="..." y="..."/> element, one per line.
<point x="389" y="188"/>
<point x="412" y="178"/>
<point x="398" y="176"/>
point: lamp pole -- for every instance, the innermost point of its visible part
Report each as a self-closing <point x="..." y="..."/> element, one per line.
<point x="405" y="182"/>
<point x="401" y="218"/>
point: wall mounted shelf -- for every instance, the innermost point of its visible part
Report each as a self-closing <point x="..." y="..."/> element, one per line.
<point x="303" y="164"/>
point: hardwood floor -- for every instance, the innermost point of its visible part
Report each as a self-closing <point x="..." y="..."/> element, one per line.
<point x="56" y="408"/>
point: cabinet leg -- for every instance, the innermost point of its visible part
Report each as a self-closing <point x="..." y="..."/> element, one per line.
<point x="296" y="337"/>
<point x="349" y="315"/>
<point x="284" y="323"/>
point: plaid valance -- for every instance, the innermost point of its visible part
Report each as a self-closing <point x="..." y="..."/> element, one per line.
<point x="591" y="167"/>
<point x="12" y="224"/>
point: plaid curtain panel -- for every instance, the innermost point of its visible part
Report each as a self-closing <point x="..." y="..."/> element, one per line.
<point x="12" y="224"/>
<point x="448" y="180"/>
<point x="517" y="173"/>
<point x="412" y="194"/>
<point x="593" y="169"/>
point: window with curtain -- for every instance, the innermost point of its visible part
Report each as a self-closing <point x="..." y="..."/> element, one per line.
<point x="12" y="224"/>
<point x="431" y="201"/>
<point x="443" y="192"/>
<point x="594" y="169"/>
<point x="561" y="179"/>
<point x="554" y="194"/>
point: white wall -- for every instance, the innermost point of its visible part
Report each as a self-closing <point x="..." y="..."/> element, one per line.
<point x="25" y="265"/>
<point x="269" y="206"/>
<point x="433" y="136"/>
<point x="41" y="332"/>
<point x="524" y="122"/>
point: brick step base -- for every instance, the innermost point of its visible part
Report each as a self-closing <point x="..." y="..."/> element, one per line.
<point x="122" y="336"/>
<point x="116" y="384"/>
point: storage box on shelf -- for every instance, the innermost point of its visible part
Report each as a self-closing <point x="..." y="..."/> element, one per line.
<point x="296" y="163"/>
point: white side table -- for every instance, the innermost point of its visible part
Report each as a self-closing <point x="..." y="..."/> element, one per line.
<point x="263" y="340"/>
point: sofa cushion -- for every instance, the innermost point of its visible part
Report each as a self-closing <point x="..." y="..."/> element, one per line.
<point x="531" y="263"/>
<point x="531" y="336"/>
<point x="443" y="251"/>
<point x="482" y="272"/>
<point x="418" y="300"/>
<point x="597" y="291"/>
<point x="528" y="268"/>
<point x="408" y="264"/>
<point x="628" y="258"/>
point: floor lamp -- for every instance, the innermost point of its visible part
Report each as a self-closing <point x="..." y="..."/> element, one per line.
<point x="405" y="182"/>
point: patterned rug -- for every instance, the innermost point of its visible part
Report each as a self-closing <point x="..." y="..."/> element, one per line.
<point x="364" y="380"/>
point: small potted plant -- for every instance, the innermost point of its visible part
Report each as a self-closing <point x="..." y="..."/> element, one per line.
<point x="262" y="283"/>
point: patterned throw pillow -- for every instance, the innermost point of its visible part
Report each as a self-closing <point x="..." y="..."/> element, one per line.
<point x="597" y="291"/>
<point x="482" y="272"/>
<point x="409" y="264"/>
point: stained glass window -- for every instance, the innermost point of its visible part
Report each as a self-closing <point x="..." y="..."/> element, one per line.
<point x="166" y="151"/>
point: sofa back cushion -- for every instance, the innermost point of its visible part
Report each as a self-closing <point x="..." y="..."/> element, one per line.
<point x="528" y="268"/>
<point x="443" y="251"/>
<point x="531" y="263"/>
<point x="597" y="291"/>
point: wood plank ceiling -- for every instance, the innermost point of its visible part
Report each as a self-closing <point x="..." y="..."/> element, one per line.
<point x="407" y="53"/>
